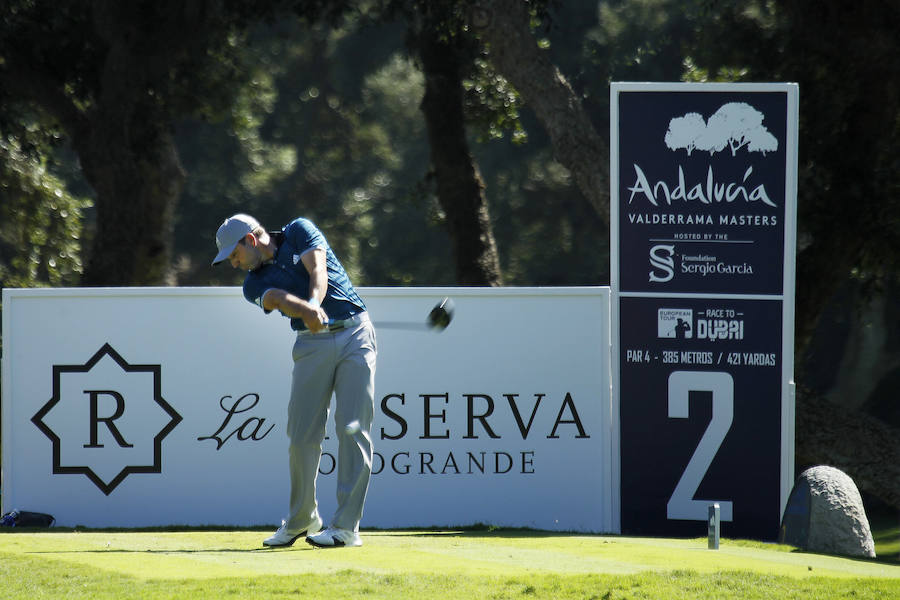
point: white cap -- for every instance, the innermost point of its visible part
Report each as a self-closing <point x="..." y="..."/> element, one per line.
<point x="230" y="233"/>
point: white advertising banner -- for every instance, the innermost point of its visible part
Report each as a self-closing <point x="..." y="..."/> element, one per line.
<point x="130" y="407"/>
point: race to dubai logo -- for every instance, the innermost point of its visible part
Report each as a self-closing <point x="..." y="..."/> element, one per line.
<point x="107" y="419"/>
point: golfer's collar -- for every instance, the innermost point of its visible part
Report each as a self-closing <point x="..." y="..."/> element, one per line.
<point x="277" y="238"/>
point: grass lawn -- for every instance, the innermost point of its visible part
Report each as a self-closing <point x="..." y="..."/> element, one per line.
<point x="423" y="564"/>
<point x="885" y="527"/>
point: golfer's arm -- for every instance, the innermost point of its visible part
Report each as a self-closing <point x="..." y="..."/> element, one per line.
<point x="314" y="261"/>
<point x="288" y="304"/>
<point x="295" y="307"/>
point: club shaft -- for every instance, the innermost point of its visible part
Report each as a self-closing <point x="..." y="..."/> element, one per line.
<point x="408" y="325"/>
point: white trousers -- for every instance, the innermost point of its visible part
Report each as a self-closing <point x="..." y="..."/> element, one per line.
<point x="342" y="363"/>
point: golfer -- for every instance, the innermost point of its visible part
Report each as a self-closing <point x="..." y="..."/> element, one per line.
<point x="295" y="272"/>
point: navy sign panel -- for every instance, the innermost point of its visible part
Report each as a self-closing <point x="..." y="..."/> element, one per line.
<point x="700" y="415"/>
<point x="704" y="227"/>
<point x="702" y="195"/>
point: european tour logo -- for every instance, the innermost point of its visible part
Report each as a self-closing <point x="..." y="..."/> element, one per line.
<point x="107" y="419"/>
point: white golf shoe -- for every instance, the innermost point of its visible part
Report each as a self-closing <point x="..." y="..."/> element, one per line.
<point x="334" y="537"/>
<point x="284" y="537"/>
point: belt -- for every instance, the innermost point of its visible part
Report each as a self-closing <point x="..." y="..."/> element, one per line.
<point x="338" y="324"/>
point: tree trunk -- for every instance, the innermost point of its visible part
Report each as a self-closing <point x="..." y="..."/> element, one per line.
<point x="821" y="268"/>
<point x="460" y="189"/>
<point x="503" y="26"/>
<point x="127" y="151"/>
<point x="137" y="177"/>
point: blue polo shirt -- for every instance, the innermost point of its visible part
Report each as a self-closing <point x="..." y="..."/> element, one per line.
<point x="287" y="272"/>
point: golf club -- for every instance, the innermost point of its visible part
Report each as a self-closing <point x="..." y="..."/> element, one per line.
<point x="437" y="320"/>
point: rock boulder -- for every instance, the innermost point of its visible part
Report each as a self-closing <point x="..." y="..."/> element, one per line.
<point x="825" y="514"/>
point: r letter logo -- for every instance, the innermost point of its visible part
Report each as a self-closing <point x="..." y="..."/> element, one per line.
<point x="106" y="419"/>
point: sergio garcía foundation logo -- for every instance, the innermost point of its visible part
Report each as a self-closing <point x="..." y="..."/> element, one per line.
<point x="107" y="419"/>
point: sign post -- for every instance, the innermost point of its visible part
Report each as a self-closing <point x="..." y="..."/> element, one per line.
<point x="703" y="243"/>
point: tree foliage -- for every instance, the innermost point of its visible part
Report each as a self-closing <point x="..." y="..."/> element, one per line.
<point x="40" y="221"/>
<point x="115" y="75"/>
<point x="345" y="104"/>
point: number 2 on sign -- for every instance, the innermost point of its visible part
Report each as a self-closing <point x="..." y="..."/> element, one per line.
<point x="681" y="383"/>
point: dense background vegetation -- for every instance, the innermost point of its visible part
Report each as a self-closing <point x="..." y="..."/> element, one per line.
<point x="446" y="142"/>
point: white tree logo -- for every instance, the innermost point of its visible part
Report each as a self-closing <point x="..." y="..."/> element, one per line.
<point x="735" y="125"/>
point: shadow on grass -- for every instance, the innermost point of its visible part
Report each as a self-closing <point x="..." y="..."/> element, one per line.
<point x="166" y="529"/>
<point x="479" y="530"/>
<point x="472" y="532"/>
<point x="884" y="523"/>
<point x="179" y="551"/>
<point x="890" y="560"/>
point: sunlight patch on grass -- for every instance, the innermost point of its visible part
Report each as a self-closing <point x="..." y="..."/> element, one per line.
<point x="217" y="554"/>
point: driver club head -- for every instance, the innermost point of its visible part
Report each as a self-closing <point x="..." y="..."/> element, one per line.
<point x="441" y="315"/>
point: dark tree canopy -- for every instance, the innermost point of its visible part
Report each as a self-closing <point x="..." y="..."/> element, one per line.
<point x="114" y="76"/>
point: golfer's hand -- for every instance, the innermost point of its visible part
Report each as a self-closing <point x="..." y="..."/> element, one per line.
<point x="315" y="319"/>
